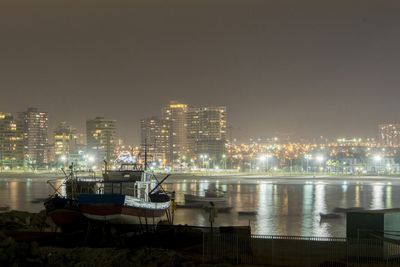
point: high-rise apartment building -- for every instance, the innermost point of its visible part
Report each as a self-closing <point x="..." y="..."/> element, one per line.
<point x="10" y="157"/>
<point x="207" y="131"/>
<point x="101" y="139"/>
<point x="155" y="133"/>
<point x="389" y="134"/>
<point x="175" y="113"/>
<point x="32" y="125"/>
<point x="65" y="141"/>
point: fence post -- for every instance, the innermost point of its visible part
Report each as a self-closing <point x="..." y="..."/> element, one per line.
<point x="203" y="250"/>
<point x="237" y="249"/>
<point x="347" y="252"/>
<point x="272" y="252"/>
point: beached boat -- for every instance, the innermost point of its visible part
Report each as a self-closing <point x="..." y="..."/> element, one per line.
<point x="131" y="195"/>
<point x="63" y="206"/>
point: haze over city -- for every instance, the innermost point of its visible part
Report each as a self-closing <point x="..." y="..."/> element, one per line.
<point x="309" y="68"/>
<point x="200" y="133"/>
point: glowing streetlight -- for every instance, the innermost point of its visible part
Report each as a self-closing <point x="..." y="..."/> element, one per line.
<point x="63" y="158"/>
<point x="377" y="159"/>
<point x="91" y="158"/>
<point x="320" y="159"/>
<point x="307" y="157"/>
<point x="224" y="161"/>
<point x="265" y="158"/>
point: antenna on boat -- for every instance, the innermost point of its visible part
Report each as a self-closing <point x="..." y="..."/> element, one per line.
<point x="145" y="154"/>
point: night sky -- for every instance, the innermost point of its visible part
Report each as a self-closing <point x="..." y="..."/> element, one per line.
<point x="306" y="67"/>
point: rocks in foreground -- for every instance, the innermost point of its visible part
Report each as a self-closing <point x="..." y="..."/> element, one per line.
<point x="22" y="220"/>
<point x="30" y="254"/>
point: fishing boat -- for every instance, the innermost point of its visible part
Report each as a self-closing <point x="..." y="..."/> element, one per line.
<point x="63" y="205"/>
<point x="130" y="195"/>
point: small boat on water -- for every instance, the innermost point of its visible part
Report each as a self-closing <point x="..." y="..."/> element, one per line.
<point x="210" y="196"/>
<point x="344" y="210"/>
<point x="248" y="212"/>
<point x="220" y="209"/>
<point x="130" y="195"/>
<point x="330" y="216"/>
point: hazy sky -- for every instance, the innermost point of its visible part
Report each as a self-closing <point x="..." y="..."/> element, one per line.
<point x="307" y="67"/>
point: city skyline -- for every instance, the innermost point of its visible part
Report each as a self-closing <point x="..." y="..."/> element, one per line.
<point x="283" y="136"/>
<point x="311" y="68"/>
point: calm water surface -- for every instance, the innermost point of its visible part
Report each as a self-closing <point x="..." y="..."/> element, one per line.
<point x="284" y="206"/>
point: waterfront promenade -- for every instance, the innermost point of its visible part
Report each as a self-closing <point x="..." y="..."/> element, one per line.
<point x="219" y="175"/>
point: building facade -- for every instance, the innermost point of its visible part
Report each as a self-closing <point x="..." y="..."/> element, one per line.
<point x="10" y="157"/>
<point x="389" y="134"/>
<point x="155" y="134"/>
<point x="65" y="142"/>
<point x="176" y="114"/>
<point x="101" y="139"/>
<point x="32" y="125"/>
<point x="207" y="132"/>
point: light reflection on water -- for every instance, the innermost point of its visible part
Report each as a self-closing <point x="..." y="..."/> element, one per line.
<point x="283" y="207"/>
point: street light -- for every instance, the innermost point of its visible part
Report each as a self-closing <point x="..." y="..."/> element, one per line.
<point x="203" y="158"/>
<point x="307" y="157"/>
<point x="262" y="159"/>
<point x="268" y="157"/>
<point x="63" y="160"/>
<point x="377" y="159"/>
<point x="320" y="159"/>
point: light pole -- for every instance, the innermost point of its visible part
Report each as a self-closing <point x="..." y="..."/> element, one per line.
<point x="267" y="159"/>
<point x="320" y="159"/>
<point x="263" y="159"/>
<point x="377" y="159"/>
<point x="63" y="160"/>
<point x="307" y="157"/>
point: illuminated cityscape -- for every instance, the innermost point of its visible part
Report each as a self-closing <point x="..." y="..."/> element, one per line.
<point x="190" y="139"/>
<point x="200" y="133"/>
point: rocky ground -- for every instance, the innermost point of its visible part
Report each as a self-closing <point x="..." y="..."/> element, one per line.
<point x="17" y="224"/>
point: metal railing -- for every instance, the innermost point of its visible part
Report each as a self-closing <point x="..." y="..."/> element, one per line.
<point x="299" y="251"/>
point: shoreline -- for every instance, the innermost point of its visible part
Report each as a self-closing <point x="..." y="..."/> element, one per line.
<point x="219" y="177"/>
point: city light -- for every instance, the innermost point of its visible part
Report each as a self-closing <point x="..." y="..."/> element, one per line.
<point x="377" y="158"/>
<point x="319" y="158"/>
<point x="91" y="158"/>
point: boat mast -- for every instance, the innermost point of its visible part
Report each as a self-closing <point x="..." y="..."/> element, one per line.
<point x="145" y="154"/>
